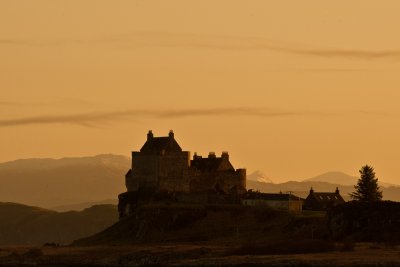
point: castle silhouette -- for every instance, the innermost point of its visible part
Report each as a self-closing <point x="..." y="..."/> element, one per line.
<point x="161" y="167"/>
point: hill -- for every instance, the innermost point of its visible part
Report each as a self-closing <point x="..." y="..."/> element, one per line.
<point x="210" y="223"/>
<point x="259" y="176"/>
<point x="84" y="205"/>
<point x="341" y="178"/>
<point x="26" y="225"/>
<point x="57" y="182"/>
<point x="334" y="177"/>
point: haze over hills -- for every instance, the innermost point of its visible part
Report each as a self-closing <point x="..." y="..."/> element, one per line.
<point x="78" y="183"/>
<point x="341" y="178"/>
<point x="55" y="182"/>
<point x="84" y="205"/>
<point x="26" y="225"/>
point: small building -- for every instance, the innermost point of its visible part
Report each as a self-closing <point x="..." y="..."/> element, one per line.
<point x="323" y="200"/>
<point x="280" y="201"/>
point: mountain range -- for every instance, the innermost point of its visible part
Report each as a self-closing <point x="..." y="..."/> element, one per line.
<point x="342" y="179"/>
<point x="259" y="176"/>
<point x="50" y="183"/>
<point x="78" y="183"/>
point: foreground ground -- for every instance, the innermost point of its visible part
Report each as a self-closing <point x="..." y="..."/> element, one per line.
<point x="365" y="254"/>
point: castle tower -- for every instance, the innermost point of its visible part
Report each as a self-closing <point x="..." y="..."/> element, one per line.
<point x="160" y="165"/>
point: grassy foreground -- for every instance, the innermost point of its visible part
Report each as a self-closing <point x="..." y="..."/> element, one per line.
<point x="198" y="254"/>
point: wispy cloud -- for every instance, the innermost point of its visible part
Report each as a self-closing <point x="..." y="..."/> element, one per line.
<point x="216" y="42"/>
<point x="344" y="53"/>
<point x="57" y="101"/>
<point x="97" y="118"/>
<point x="10" y="104"/>
<point x="322" y="70"/>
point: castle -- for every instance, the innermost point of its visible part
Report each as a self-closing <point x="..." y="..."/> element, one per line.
<point x="162" y="167"/>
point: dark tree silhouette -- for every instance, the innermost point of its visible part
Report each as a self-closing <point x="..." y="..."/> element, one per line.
<point x="367" y="188"/>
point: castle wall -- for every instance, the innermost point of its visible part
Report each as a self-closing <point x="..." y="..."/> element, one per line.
<point x="173" y="172"/>
<point x="202" y="181"/>
<point x="131" y="183"/>
<point x="145" y="170"/>
<point x="227" y="181"/>
<point x="168" y="172"/>
<point x="235" y="180"/>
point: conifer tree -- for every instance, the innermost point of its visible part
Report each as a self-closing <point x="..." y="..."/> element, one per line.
<point x="367" y="188"/>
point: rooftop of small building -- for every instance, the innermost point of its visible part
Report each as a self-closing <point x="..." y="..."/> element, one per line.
<point x="326" y="196"/>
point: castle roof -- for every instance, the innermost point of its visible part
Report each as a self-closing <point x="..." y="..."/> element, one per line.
<point x="160" y="144"/>
<point x="212" y="163"/>
<point x="326" y="197"/>
<point x="207" y="164"/>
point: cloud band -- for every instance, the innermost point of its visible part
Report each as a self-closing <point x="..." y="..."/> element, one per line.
<point x="95" y="118"/>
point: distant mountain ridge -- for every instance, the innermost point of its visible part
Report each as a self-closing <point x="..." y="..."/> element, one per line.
<point x="84" y="205"/>
<point x="110" y="160"/>
<point x="335" y="177"/>
<point x="56" y="182"/>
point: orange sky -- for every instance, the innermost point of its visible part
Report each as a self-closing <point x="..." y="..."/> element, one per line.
<point x="293" y="88"/>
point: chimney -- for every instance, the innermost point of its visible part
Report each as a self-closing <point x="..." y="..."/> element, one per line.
<point x="195" y="156"/>
<point x="212" y="155"/>
<point x="150" y="135"/>
<point x="171" y="134"/>
<point x="225" y="155"/>
<point x="311" y="191"/>
<point x="337" y="191"/>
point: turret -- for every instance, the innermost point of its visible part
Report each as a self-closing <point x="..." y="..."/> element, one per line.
<point x="195" y="156"/>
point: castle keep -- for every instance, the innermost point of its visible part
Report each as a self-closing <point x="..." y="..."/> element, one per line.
<point x="162" y="167"/>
